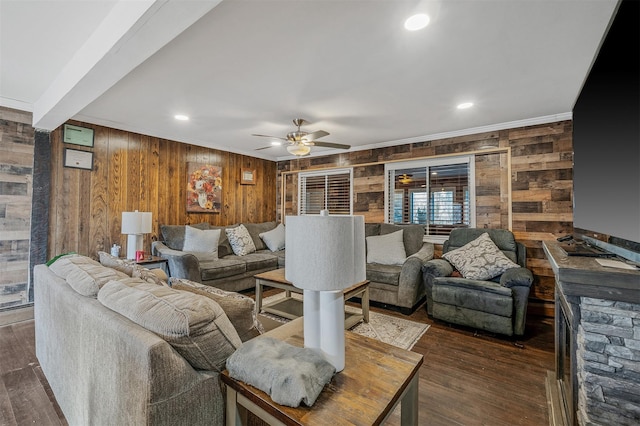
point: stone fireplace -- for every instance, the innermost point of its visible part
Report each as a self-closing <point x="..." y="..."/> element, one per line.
<point x="597" y="375"/>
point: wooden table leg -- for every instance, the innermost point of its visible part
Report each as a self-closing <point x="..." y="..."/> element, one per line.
<point x="233" y="417"/>
<point x="364" y="301"/>
<point x="409" y="404"/>
<point x="258" y="296"/>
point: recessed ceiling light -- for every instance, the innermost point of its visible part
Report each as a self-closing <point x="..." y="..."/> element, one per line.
<point x="417" y="22"/>
<point x="181" y="117"/>
<point x="276" y="143"/>
<point x="465" y="105"/>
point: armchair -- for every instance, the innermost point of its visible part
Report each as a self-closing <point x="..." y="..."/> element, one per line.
<point x="497" y="304"/>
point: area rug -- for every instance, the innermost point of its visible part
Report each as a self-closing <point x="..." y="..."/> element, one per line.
<point x="389" y="329"/>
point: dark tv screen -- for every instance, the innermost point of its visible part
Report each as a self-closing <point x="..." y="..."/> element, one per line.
<point x="606" y="134"/>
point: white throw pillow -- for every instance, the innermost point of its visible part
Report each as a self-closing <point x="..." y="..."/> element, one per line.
<point x="386" y="249"/>
<point x="201" y="243"/>
<point x="240" y="240"/>
<point x="274" y="239"/>
<point x="480" y="259"/>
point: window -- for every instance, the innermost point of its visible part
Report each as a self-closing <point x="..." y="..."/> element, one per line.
<point x="434" y="192"/>
<point x="330" y="190"/>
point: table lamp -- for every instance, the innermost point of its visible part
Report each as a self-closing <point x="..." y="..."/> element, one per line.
<point x="325" y="254"/>
<point x="135" y="224"/>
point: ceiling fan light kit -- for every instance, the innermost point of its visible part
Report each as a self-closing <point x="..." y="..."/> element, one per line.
<point x="299" y="149"/>
<point x="300" y="142"/>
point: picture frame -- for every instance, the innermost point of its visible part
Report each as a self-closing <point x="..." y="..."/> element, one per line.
<point x="204" y="188"/>
<point x="247" y="176"/>
<point x="77" y="159"/>
<point x="77" y="135"/>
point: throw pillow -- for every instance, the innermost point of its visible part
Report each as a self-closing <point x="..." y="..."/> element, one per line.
<point x="274" y="239"/>
<point x="480" y="259"/>
<point x="152" y="276"/>
<point x="196" y="327"/>
<point x="386" y="249"/>
<point x="116" y="263"/>
<point x="240" y="309"/>
<point x="240" y="240"/>
<point x="201" y="243"/>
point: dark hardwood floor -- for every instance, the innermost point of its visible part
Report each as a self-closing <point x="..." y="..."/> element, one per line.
<point x="468" y="377"/>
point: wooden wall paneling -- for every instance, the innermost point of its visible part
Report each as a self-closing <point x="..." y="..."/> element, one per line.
<point x="534" y="177"/>
<point x="152" y="176"/>
<point x="99" y="234"/>
<point x="116" y="185"/>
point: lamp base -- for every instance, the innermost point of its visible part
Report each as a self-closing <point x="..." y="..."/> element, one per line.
<point x="324" y="325"/>
<point x="134" y="243"/>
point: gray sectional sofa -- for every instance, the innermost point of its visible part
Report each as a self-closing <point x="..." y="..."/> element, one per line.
<point x="228" y="271"/>
<point x="124" y="350"/>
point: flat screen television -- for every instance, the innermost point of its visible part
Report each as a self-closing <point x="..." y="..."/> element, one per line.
<point x="606" y="138"/>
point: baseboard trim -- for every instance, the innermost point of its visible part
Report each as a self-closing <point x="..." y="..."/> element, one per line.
<point x="15" y="315"/>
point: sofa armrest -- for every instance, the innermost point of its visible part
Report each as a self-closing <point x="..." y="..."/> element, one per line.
<point x="181" y="264"/>
<point x="430" y="270"/>
<point x="410" y="285"/>
<point x="516" y="277"/>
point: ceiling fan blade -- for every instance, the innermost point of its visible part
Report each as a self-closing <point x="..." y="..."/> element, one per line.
<point x="330" y="145"/>
<point x="267" y="136"/>
<point x="264" y="147"/>
<point x="315" y="135"/>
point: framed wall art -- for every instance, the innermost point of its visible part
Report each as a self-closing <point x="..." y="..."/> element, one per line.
<point x="77" y="159"/>
<point x="247" y="176"/>
<point x="77" y="135"/>
<point x="204" y="188"/>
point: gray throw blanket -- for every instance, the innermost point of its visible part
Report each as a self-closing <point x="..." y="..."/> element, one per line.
<point x="289" y="374"/>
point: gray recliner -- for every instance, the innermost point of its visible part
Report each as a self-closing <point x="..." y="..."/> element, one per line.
<point x="498" y="305"/>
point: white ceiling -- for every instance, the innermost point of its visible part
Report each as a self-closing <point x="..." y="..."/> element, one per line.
<point x="238" y="67"/>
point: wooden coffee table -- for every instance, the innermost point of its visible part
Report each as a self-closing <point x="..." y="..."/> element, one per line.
<point x="291" y="308"/>
<point x="376" y="377"/>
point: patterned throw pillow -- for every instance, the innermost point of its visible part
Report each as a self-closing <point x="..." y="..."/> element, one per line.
<point x="240" y="240"/>
<point x="480" y="259"/>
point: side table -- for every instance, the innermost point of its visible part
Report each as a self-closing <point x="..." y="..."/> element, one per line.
<point x="376" y="377"/>
<point x="153" y="262"/>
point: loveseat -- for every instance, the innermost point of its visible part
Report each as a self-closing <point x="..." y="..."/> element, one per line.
<point x="219" y="266"/>
<point x="129" y="350"/>
<point x="395" y="256"/>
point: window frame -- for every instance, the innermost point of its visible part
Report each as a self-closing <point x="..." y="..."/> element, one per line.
<point x="427" y="163"/>
<point x="302" y="176"/>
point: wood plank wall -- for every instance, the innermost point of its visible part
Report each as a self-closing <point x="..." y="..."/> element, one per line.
<point x="16" y="186"/>
<point x="541" y="160"/>
<point x="133" y="171"/>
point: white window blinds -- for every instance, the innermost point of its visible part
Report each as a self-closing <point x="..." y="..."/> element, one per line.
<point x="330" y="190"/>
<point x="437" y="193"/>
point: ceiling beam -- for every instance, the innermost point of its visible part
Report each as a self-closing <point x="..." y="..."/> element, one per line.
<point x="130" y="34"/>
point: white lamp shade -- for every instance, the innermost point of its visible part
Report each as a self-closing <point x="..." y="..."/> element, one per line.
<point x="136" y="222"/>
<point x="325" y="253"/>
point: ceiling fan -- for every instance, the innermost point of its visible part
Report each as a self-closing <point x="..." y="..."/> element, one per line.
<point x="300" y="142"/>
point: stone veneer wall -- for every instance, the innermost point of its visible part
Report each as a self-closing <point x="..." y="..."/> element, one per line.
<point x="608" y="363"/>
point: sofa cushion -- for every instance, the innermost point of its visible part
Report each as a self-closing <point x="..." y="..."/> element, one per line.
<point x="255" y="229"/>
<point x="84" y="275"/>
<point x="386" y="249"/>
<point x="256" y="261"/>
<point x="173" y="235"/>
<point x="202" y="243"/>
<point x="412" y="237"/>
<point x="273" y="239"/>
<point x="479" y="259"/>
<point x="240" y="240"/>
<point x="387" y="274"/>
<point x="240" y="309"/>
<point x="116" y="263"/>
<point x="196" y="326"/>
<point x="371" y="229"/>
<point x="222" y="268"/>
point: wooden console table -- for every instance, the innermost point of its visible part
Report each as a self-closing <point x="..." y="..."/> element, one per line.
<point x="376" y="377"/>
<point x="291" y="308"/>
